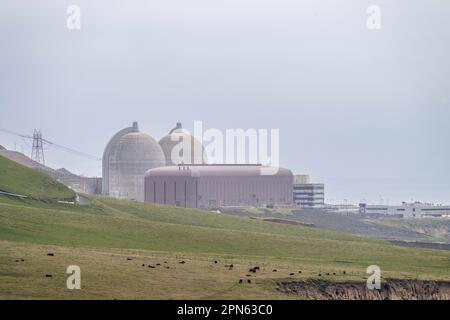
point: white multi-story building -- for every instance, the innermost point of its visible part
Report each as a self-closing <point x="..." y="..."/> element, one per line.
<point x="308" y="195"/>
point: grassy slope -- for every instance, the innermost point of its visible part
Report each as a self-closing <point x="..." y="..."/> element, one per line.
<point x="100" y="236"/>
<point x="129" y="225"/>
<point x="16" y="178"/>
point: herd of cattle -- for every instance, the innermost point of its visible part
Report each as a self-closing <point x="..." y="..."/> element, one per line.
<point x="252" y="270"/>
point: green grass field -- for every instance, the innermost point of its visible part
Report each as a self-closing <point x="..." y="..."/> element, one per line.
<point x="16" y="178"/>
<point x="100" y="237"/>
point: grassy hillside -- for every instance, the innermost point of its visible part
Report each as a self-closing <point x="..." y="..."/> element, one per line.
<point x="15" y="178"/>
<point x="101" y="236"/>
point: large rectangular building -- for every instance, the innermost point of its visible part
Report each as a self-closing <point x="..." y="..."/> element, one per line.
<point x="212" y="186"/>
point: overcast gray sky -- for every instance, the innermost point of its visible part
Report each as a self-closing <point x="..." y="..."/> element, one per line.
<point x="366" y="112"/>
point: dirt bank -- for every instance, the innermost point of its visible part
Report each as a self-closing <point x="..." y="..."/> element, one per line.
<point x="391" y="289"/>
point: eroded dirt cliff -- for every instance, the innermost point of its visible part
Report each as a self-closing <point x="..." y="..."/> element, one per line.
<point x="391" y="289"/>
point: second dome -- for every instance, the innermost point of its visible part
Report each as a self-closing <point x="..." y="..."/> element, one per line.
<point x="175" y="143"/>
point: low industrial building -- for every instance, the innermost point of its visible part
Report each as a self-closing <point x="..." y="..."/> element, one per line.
<point x="406" y="210"/>
<point x="308" y="195"/>
<point x="213" y="186"/>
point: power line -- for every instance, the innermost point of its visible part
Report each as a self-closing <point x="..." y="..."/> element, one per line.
<point x="52" y="144"/>
<point x="83" y="154"/>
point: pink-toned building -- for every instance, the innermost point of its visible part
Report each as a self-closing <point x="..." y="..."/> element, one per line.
<point x="210" y="186"/>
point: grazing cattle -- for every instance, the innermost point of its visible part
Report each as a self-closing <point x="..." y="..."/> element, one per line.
<point x="167" y="267"/>
<point x="128" y="259"/>
<point x="344" y="272"/>
<point x="248" y="275"/>
<point x="50" y="254"/>
<point x="215" y="261"/>
<point x="291" y="274"/>
<point x="240" y="280"/>
<point x="153" y="267"/>
<point x="231" y="266"/>
<point x="158" y="264"/>
<point x="143" y="265"/>
<point x="334" y="273"/>
<point x="256" y="268"/>
<point x="299" y="272"/>
<point x="274" y="270"/>
<point x="320" y="274"/>
<point x="249" y="281"/>
<point x="252" y="270"/>
<point x="327" y="273"/>
<point x="48" y="276"/>
<point x="182" y="262"/>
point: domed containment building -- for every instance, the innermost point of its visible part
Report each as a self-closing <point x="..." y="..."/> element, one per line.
<point x="173" y="146"/>
<point x="211" y="186"/>
<point x="127" y="156"/>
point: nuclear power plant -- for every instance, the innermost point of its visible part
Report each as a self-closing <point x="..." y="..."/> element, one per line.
<point x="175" y="172"/>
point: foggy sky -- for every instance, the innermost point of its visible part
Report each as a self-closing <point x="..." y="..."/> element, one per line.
<point x="365" y="112"/>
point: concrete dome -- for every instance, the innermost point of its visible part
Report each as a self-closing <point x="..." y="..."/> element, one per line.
<point x="175" y="139"/>
<point x="128" y="155"/>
